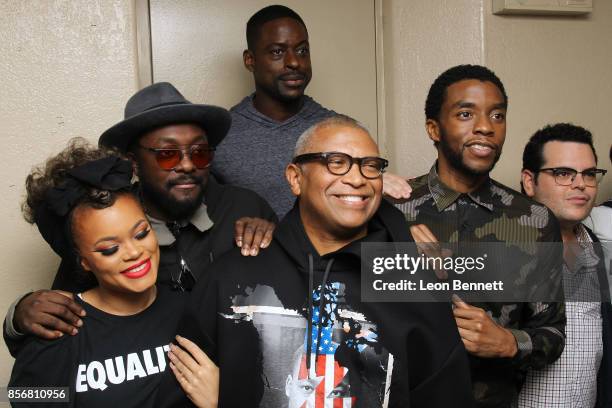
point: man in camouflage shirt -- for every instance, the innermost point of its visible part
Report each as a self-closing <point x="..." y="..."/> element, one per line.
<point x="458" y="202"/>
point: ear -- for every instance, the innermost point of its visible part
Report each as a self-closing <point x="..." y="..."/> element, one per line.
<point x="433" y="130"/>
<point x="84" y="264"/>
<point x="528" y="181"/>
<point x="132" y="157"/>
<point x="293" y="173"/>
<point x="249" y="60"/>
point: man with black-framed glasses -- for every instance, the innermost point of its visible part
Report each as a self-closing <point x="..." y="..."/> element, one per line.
<point x="294" y="317"/>
<point x="560" y="171"/>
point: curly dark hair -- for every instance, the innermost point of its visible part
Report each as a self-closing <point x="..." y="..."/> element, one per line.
<point x="53" y="172"/>
<point x="437" y="92"/>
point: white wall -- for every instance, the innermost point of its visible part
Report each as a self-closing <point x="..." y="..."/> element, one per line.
<point x="421" y="39"/>
<point x="555" y="69"/>
<point x="66" y="69"/>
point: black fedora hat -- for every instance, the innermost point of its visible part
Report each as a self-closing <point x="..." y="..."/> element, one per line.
<point x="161" y="104"/>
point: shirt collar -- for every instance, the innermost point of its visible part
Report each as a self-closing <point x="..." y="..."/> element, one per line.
<point x="444" y="196"/>
<point x="582" y="236"/>
<point x="199" y="219"/>
<point x="587" y="258"/>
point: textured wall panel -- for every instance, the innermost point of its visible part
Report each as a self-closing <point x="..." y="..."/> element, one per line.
<point x="66" y="70"/>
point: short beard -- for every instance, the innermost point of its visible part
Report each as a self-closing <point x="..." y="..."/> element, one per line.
<point x="172" y="208"/>
<point x="455" y="159"/>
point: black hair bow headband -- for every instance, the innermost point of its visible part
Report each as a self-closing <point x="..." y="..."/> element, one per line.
<point x="110" y="173"/>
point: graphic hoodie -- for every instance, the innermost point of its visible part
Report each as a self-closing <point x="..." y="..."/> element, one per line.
<point x="257" y="149"/>
<point x="288" y="328"/>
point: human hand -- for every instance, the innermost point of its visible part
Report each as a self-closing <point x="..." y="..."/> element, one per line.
<point x="251" y="234"/>
<point x="428" y="244"/>
<point x="48" y="314"/>
<point x="481" y="336"/>
<point x="396" y="188"/>
<point x="195" y="372"/>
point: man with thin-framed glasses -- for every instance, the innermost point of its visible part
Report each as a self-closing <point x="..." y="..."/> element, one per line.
<point x="560" y="171"/>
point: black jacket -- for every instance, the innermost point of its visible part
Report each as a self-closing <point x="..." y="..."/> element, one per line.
<point x="258" y="319"/>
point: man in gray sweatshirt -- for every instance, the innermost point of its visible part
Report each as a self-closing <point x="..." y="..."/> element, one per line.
<point x="267" y="123"/>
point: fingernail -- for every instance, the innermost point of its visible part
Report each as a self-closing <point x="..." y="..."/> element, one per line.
<point x="74" y="332"/>
<point x="254" y="251"/>
<point x="179" y="337"/>
<point x="264" y="244"/>
<point x="83" y="313"/>
<point x="59" y="334"/>
<point x="239" y="243"/>
<point x="244" y="251"/>
<point x="79" y="323"/>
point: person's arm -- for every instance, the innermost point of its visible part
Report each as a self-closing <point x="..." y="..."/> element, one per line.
<point x="198" y="323"/>
<point x="396" y="188"/>
<point x="481" y="335"/>
<point x="10" y="328"/>
<point x="541" y="336"/>
<point x="538" y="342"/>
<point x="13" y="339"/>
<point x="43" y="363"/>
<point x="195" y="372"/>
<point x="254" y="233"/>
<point x="47" y="314"/>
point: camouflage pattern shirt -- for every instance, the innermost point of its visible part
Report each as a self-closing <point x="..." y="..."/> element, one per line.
<point x="496" y="213"/>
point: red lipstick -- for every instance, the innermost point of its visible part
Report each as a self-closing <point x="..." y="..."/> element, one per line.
<point x="139" y="270"/>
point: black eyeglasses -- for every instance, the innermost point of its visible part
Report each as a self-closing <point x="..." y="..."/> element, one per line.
<point x="201" y="155"/>
<point x="564" y="176"/>
<point x="340" y="163"/>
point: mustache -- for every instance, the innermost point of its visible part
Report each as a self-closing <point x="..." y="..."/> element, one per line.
<point x="185" y="180"/>
<point x="488" y="144"/>
<point x="292" y="76"/>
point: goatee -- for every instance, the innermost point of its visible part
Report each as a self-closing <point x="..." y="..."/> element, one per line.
<point x="455" y="159"/>
<point x="165" y="202"/>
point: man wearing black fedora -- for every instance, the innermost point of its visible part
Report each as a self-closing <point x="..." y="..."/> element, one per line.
<point x="171" y="143"/>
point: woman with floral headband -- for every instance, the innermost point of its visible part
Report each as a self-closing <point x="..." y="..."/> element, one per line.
<point x="82" y="203"/>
